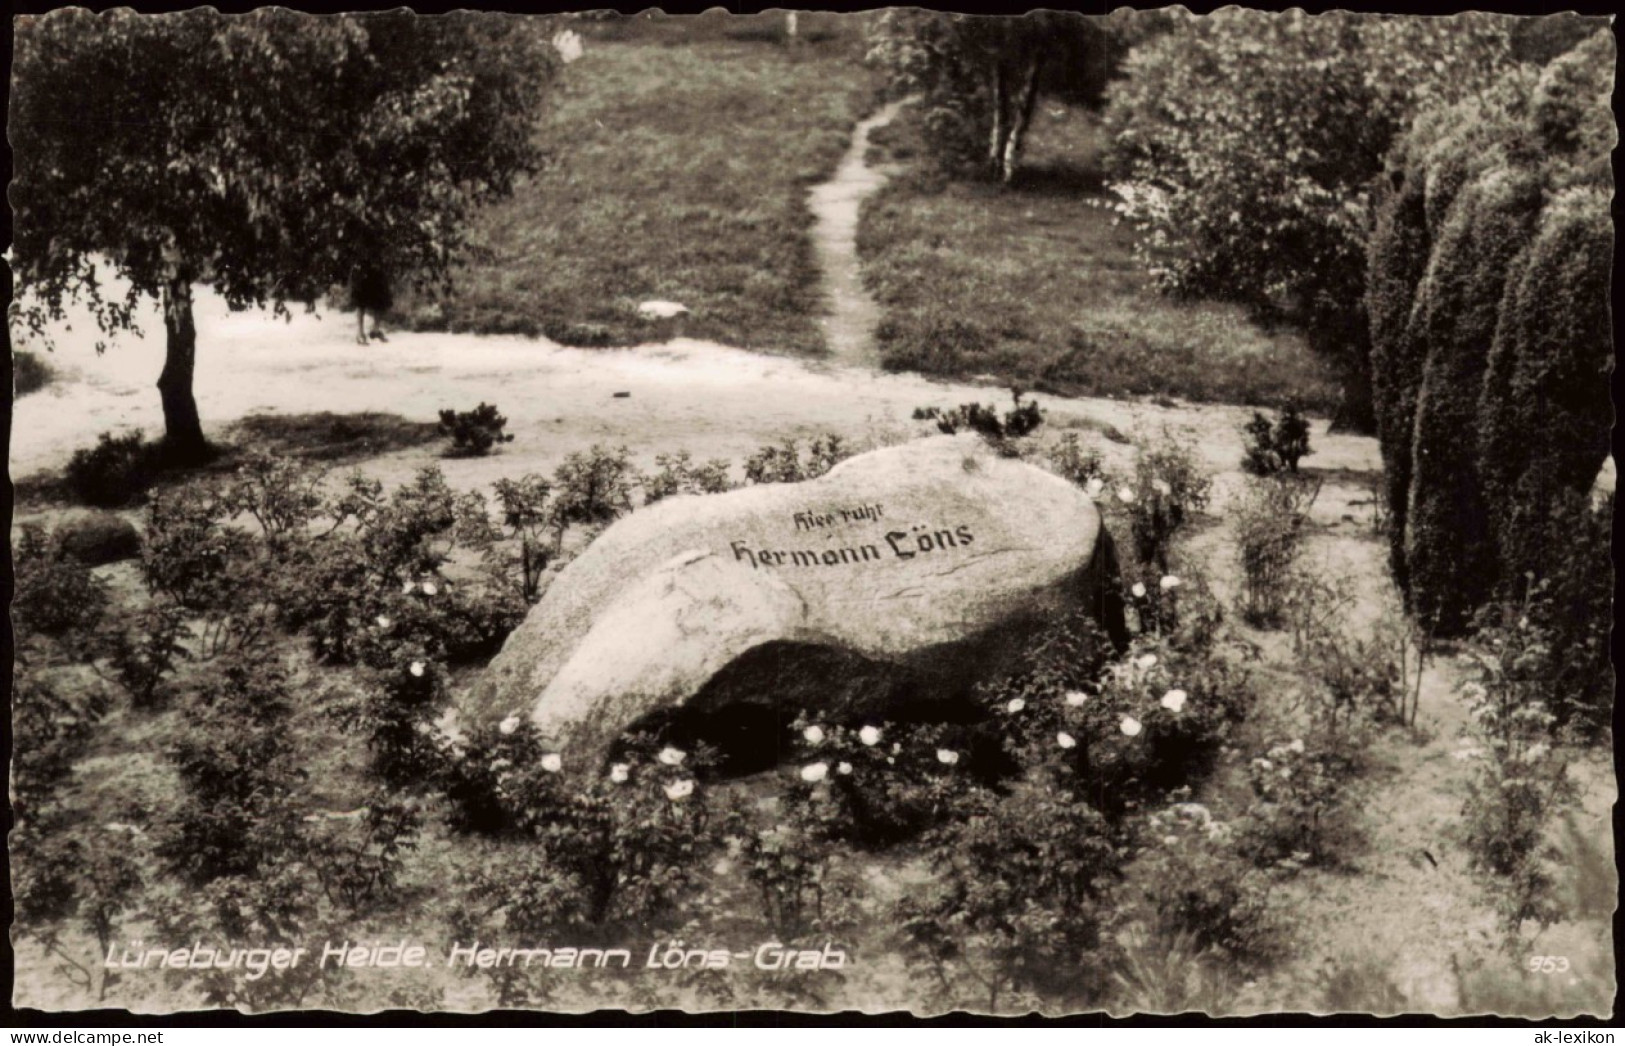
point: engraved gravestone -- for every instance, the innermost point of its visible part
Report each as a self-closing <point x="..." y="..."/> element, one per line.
<point x="932" y="556"/>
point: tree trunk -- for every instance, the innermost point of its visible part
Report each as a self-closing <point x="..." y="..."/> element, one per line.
<point x="1020" y="121"/>
<point x="183" y="431"/>
<point x="1001" y="130"/>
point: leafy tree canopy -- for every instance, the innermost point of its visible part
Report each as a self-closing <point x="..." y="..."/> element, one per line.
<point x="268" y="154"/>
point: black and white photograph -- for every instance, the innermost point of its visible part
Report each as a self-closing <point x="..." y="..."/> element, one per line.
<point x="883" y="512"/>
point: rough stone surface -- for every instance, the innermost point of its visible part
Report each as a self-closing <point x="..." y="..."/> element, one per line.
<point x="934" y="557"/>
<point x="98" y="538"/>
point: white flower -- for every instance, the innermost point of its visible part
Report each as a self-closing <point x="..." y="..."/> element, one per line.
<point x="1170" y="840"/>
<point x="814" y="735"/>
<point x="672" y="756"/>
<point x="1263" y="764"/>
<point x="1296" y="745"/>
<point x="843" y="768"/>
<point x="722" y="867"/>
<point x="1161" y="486"/>
<point x="1076" y="698"/>
<point x="552" y="762"/>
<point x="429" y="589"/>
<point x="1535" y="751"/>
<point x="1016" y="704"/>
<point x="417" y="669"/>
<point x="1066" y="740"/>
<point x="1138" y="590"/>
<point x="679" y="789"/>
<point x="1094" y="487"/>
<point x="509" y="725"/>
<point x="1130" y="726"/>
<point x="1125" y="495"/>
<point x="619" y="773"/>
<point x="1168" y="583"/>
<point x="406" y="589"/>
<point x="896" y="748"/>
<point x="869" y="735"/>
<point x="1145" y="661"/>
<point x="1174" y="700"/>
<point x="947" y="756"/>
<point x="383" y="622"/>
<point x="815" y="772"/>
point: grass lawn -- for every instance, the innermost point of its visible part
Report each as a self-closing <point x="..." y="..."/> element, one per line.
<point x="1037" y="285"/>
<point x="681" y="155"/>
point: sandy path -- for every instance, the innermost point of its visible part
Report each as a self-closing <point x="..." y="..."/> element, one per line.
<point x="710" y="399"/>
<point x="851" y="315"/>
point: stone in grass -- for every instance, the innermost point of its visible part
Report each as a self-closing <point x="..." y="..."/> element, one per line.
<point x="661" y="310"/>
<point x="98" y="538"/>
<point x="908" y="573"/>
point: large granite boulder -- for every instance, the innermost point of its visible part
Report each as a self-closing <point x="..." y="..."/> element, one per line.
<point x="910" y="570"/>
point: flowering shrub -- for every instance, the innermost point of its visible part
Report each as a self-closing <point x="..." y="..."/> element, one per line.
<point x="1085" y="467"/>
<point x="1151" y="721"/>
<point x="1192" y="886"/>
<point x="1301" y="813"/>
<point x="361" y="592"/>
<point x="1018" y="901"/>
<point x="1167" y="490"/>
<point x="875" y="784"/>
<point x="1521" y="776"/>
<point x="627" y="837"/>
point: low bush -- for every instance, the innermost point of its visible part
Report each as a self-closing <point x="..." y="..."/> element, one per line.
<point x="115" y="472"/>
<point x="1274" y="445"/>
<point x="1167" y="491"/>
<point x="1302" y="813"/>
<point x="98" y="539"/>
<point x="1018" y="905"/>
<point x="1191" y="885"/>
<point x="146" y="656"/>
<point x="1023" y="420"/>
<point x="1084" y="466"/>
<point x="1270" y="522"/>
<point x="281" y="494"/>
<point x="1521" y="778"/>
<point x="474" y="432"/>
<point x="783" y="464"/>
<point x="677" y="474"/>
<point x="195" y="558"/>
<point x="29" y="373"/>
<point x="240" y="773"/>
<point x="54" y="597"/>
<point x="591" y="489"/>
<point x="604" y="846"/>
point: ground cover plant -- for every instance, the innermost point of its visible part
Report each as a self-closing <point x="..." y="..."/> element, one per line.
<point x="652" y="201"/>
